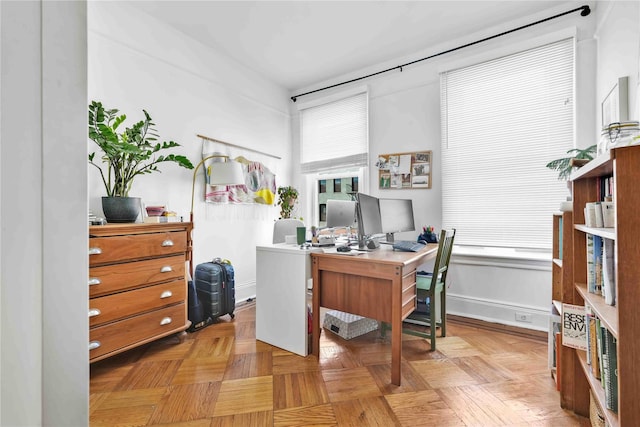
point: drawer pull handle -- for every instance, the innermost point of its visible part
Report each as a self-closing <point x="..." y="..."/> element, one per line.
<point x="95" y="251"/>
<point x="166" y="294"/>
<point x="94" y="312"/>
<point x="167" y="242"/>
<point x="166" y="269"/>
<point x="166" y="321"/>
<point x="94" y="281"/>
<point x="94" y="344"/>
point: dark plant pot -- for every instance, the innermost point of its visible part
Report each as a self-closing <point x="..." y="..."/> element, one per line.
<point x="121" y="209"/>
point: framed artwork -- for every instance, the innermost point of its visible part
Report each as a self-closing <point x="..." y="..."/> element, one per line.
<point x="404" y="170"/>
<point x="615" y="107"/>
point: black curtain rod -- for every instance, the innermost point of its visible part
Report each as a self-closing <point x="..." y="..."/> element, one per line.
<point x="585" y="11"/>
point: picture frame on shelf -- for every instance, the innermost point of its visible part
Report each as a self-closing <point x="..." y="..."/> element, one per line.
<point x="615" y="106"/>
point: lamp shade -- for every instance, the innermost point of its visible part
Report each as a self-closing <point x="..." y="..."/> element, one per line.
<point x="226" y="173"/>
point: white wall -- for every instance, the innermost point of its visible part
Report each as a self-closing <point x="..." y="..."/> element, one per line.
<point x="43" y="255"/>
<point x="137" y="62"/>
<point x="618" y="35"/>
<point x="405" y="116"/>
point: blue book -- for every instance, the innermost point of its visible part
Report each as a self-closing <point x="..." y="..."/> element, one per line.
<point x="597" y="264"/>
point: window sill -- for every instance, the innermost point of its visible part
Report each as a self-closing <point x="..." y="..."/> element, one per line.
<point x="530" y="259"/>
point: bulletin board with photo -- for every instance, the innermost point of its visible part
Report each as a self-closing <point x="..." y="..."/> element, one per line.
<point x="400" y="171"/>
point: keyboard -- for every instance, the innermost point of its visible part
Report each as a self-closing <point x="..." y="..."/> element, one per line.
<point x="407" y="246"/>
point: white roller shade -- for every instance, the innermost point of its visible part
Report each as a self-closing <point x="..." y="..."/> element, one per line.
<point x="335" y="135"/>
<point x="502" y="122"/>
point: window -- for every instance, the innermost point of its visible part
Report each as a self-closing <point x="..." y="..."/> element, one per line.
<point x="502" y="122"/>
<point x="335" y="135"/>
<point x="334" y="149"/>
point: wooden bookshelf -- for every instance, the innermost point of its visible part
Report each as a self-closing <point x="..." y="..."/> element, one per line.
<point x="562" y="277"/>
<point x="623" y="319"/>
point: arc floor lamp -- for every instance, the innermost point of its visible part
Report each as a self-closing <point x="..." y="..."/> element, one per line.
<point x="224" y="172"/>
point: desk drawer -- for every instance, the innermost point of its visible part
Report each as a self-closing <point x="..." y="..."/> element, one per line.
<point x="118" y="277"/>
<point x="409" y="292"/>
<point x="135" y="246"/>
<point x="136" y="330"/>
<point x="126" y="304"/>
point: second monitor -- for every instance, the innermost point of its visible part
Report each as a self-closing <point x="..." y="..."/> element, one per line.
<point x="396" y="216"/>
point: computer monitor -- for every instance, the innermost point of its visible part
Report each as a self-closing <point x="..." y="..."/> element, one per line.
<point x="368" y="215"/>
<point x="341" y="213"/>
<point x="396" y="216"/>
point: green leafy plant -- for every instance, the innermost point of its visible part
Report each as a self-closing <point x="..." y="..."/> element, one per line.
<point x="287" y="199"/>
<point x="565" y="165"/>
<point x="127" y="154"/>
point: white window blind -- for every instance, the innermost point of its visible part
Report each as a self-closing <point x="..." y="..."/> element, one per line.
<point x="502" y="122"/>
<point x="335" y="135"/>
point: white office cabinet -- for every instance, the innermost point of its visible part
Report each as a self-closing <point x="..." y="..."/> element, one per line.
<point x="282" y="273"/>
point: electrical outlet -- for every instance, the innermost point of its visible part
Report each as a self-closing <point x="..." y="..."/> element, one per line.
<point x="523" y="317"/>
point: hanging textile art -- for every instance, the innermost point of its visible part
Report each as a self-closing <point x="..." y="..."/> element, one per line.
<point x="259" y="186"/>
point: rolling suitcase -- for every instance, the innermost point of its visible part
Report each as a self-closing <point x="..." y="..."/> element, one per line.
<point x="195" y="312"/>
<point x="215" y="288"/>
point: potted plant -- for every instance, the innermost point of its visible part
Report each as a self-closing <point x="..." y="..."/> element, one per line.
<point x="287" y="199"/>
<point x="126" y="155"/>
<point x="565" y="165"/>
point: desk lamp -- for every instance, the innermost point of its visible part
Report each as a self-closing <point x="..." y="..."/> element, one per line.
<point x="226" y="172"/>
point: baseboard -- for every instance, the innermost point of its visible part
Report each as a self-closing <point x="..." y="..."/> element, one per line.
<point x="245" y="291"/>
<point x="513" y="330"/>
<point x="497" y="311"/>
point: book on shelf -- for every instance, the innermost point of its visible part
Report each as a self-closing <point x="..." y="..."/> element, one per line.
<point x="590" y="214"/>
<point x="605" y="188"/>
<point x="554" y="329"/>
<point x="599" y="348"/>
<point x="611" y="371"/>
<point x="591" y="268"/>
<point x="594" y="263"/>
<point x="560" y="238"/>
<point x="597" y="209"/>
<point x="574" y="330"/>
<point x="608" y="279"/>
<point x="160" y="219"/>
<point x="597" y="263"/>
<point x="608" y="214"/>
<point x="587" y="321"/>
<point x="592" y="353"/>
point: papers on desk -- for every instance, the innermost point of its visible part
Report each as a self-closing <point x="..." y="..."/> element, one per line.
<point x="352" y="252"/>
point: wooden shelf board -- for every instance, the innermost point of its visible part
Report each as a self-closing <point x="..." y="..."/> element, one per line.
<point x="600" y="166"/>
<point x="598" y="391"/>
<point x="607" y="233"/>
<point x="608" y="314"/>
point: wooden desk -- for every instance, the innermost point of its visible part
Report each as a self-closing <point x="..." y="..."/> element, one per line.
<point x="380" y="284"/>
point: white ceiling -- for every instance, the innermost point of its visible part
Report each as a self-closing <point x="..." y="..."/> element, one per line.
<point x="297" y="43"/>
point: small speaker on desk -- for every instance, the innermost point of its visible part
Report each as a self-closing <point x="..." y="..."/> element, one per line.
<point x="373" y="244"/>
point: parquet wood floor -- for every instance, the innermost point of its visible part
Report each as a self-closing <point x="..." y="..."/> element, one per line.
<point x="223" y="376"/>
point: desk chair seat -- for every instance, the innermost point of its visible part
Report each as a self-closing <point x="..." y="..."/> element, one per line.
<point x="429" y="287"/>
